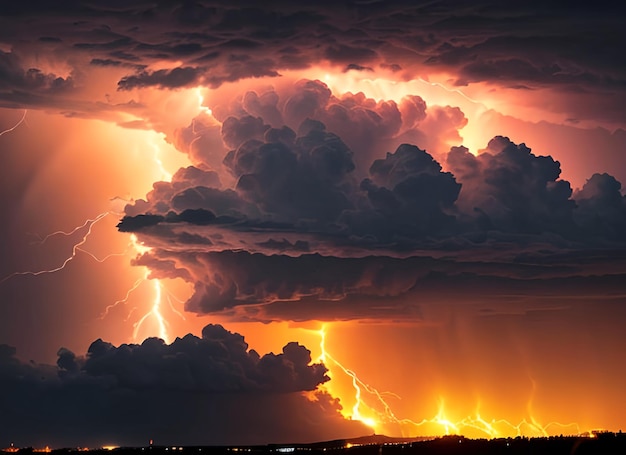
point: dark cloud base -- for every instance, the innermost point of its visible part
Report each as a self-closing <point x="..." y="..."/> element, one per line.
<point x="208" y="390"/>
<point x="573" y="50"/>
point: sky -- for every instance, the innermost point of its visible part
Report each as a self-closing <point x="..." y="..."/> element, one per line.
<point x="228" y="223"/>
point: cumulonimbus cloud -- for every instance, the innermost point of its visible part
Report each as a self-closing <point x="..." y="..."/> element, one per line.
<point x="293" y="213"/>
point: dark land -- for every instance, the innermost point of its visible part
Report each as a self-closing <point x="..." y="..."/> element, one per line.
<point x="604" y="443"/>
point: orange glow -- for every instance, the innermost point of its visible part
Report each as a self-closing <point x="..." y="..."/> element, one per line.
<point x="438" y="409"/>
<point x="473" y="386"/>
<point x="434" y="93"/>
<point x="93" y="165"/>
<point x="444" y="422"/>
<point x="356" y="414"/>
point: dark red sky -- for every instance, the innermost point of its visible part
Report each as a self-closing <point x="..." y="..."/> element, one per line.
<point x="424" y="194"/>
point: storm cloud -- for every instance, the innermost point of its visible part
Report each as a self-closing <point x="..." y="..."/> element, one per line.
<point x="215" y="42"/>
<point x="201" y="390"/>
<point x="299" y="216"/>
<point x="330" y="170"/>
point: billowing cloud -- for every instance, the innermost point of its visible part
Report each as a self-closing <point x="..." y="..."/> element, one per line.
<point x="202" y="390"/>
<point x="602" y="207"/>
<point x="338" y="230"/>
<point x="180" y="45"/>
<point x="513" y="190"/>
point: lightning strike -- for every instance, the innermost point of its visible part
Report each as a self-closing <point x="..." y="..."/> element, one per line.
<point x="170" y="296"/>
<point x="77" y="247"/>
<point x="8" y="130"/>
<point x="164" y="175"/>
<point x="358" y="386"/>
<point x="155" y="310"/>
<point x="206" y="115"/>
<point x="122" y="301"/>
<point x="139" y="248"/>
<point x="475" y="424"/>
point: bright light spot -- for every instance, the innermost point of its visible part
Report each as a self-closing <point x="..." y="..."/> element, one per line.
<point x="434" y="93"/>
<point x="371" y="408"/>
<point x="201" y="106"/>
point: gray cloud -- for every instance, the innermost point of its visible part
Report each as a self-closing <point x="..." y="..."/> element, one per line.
<point x="513" y="190"/>
<point x="602" y="207"/>
<point x="302" y="286"/>
<point x="219" y="42"/>
<point x="174" y="78"/>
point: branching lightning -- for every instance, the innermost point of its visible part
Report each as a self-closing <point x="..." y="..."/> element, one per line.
<point x="88" y="225"/>
<point x="155" y="312"/>
<point x="155" y="309"/>
<point x="85" y="230"/>
<point x="2" y="133"/>
<point x="358" y="386"/>
<point x="475" y="424"/>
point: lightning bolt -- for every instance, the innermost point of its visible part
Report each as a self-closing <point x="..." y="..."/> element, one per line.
<point x="88" y="225"/>
<point x="155" y="309"/>
<point x="77" y="247"/>
<point x="165" y="175"/>
<point x="207" y="114"/>
<point x="375" y="419"/>
<point x="161" y="295"/>
<point x="358" y="386"/>
<point x="2" y="133"/>
<point x="155" y="312"/>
